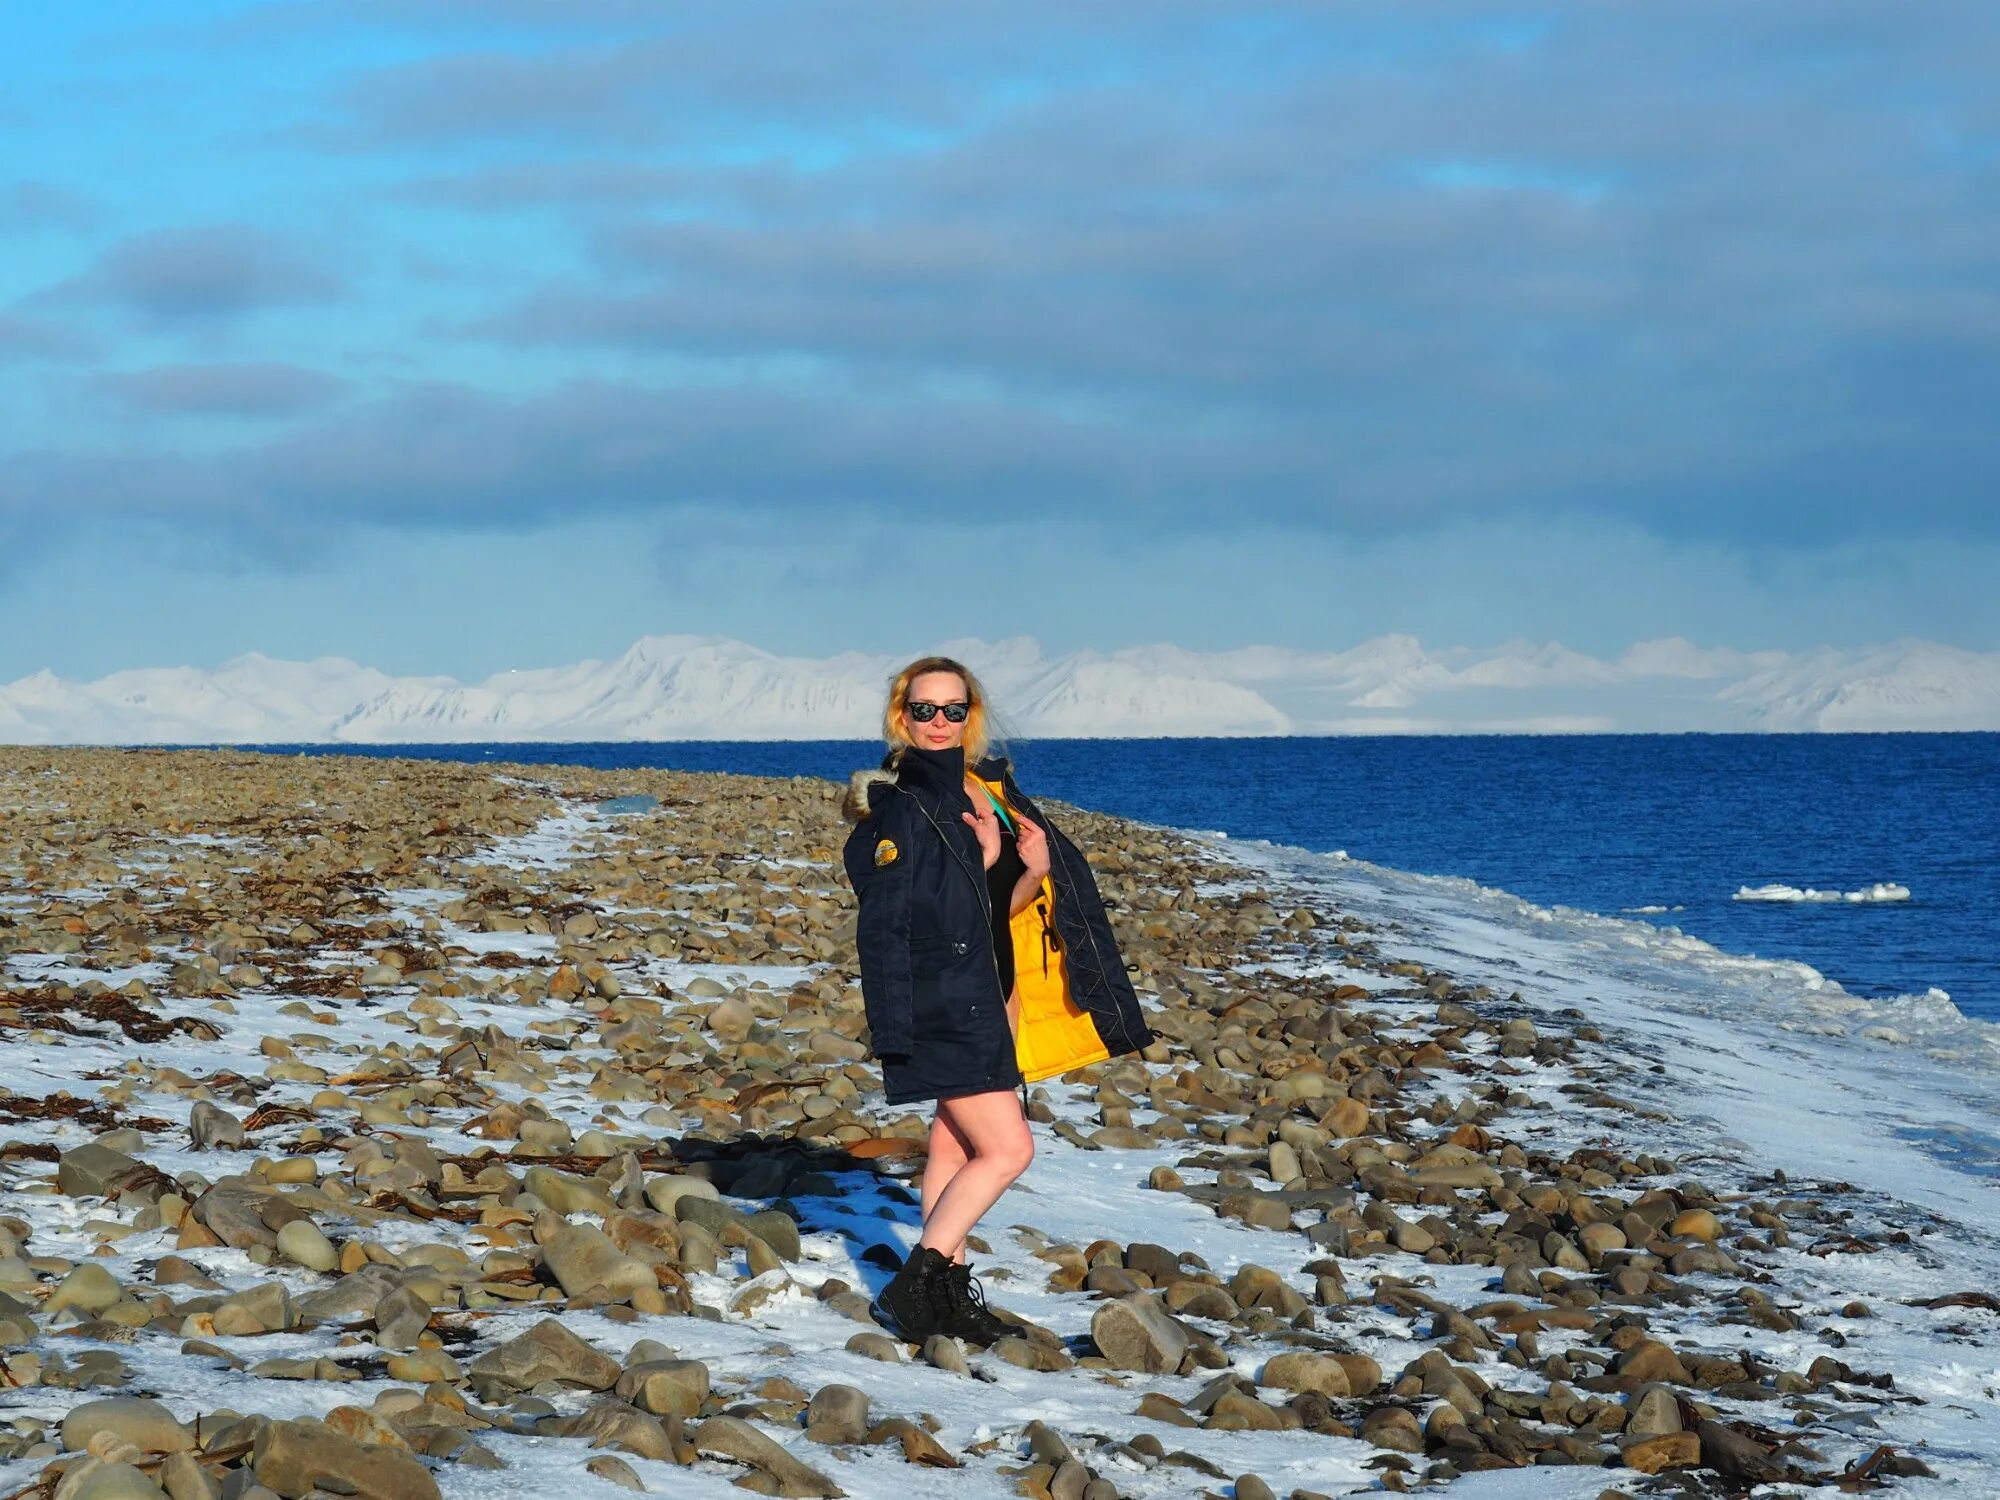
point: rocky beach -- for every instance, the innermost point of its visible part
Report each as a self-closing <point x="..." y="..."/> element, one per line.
<point x="412" y="1129"/>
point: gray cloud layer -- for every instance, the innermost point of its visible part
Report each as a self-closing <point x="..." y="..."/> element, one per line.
<point x="1722" y="272"/>
<point x="200" y="274"/>
<point x="29" y="205"/>
<point x="250" y="389"/>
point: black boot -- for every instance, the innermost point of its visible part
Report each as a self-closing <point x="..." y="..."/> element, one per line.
<point x="914" y="1303"/>
<point x="967" y="1316"/>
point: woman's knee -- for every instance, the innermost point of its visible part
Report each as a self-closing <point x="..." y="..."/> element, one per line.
<point x="1013" y="1153"/>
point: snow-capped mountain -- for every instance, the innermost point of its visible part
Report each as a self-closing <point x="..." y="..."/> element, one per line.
<point x="707" y="687"/>
<point x="663" y="688"/>
<point x="1910" y="685"/>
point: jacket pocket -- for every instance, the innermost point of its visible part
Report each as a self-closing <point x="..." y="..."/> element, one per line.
<point x="934" y="954"/>
<point x="940" y="1007"/>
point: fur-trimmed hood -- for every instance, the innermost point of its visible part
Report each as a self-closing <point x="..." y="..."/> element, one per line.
<point x="862" y="788"/>
<point x="866" y="788"/>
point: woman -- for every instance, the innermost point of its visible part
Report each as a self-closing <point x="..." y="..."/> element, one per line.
<point x="987" y="963"/>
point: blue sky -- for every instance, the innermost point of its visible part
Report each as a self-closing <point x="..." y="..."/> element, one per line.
<point x="452" y="337"/>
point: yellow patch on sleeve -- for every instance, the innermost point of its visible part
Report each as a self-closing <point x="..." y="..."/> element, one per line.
<point x="885" y="853"/>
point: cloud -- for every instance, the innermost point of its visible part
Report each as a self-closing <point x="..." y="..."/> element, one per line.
<point x="1345" y="272"/>
<point x="202" y="274"/>
<point x="30" y="338"/>
<point x="736" y="76"/>
<point x="238" y="390"/>
<point x="454" y="457"/>
<point x="1723" y="292"/>
<point x="28" y="205"/>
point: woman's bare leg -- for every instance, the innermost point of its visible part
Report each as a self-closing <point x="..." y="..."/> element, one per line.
<point x="996" y="1132"/>
<point x="949" y="1152"/>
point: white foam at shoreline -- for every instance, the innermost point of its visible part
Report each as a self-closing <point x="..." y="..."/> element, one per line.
<point x="1781" y="1023"/>
<point x="1882" y="890"/>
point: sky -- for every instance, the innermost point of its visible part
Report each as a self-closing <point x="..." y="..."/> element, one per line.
<point x="453" y="337"/>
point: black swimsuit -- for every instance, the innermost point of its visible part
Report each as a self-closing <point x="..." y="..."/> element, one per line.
<point x="1001" y="879"/>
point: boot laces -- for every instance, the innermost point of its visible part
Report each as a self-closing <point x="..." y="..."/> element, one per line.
<point x="968" y="1287"/>
<point x="941" y="1286"/>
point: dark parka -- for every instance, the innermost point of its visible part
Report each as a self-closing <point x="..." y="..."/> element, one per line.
<point x="925" y="936"/>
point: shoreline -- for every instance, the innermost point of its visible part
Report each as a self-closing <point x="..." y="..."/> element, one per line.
<point x="1391" y="1115"/>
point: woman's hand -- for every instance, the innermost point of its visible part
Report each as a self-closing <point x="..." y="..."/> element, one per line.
<point x="986" y="828"/>
<point x="1034" y="847"/>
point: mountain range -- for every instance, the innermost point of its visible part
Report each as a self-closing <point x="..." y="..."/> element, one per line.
<point x="708" y="687"/>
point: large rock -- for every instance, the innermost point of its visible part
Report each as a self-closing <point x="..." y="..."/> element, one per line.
<point x="666" y="1387"/>
<point x="582" y="1257"/>
<point x="732" y="1437"/>
<point x="1650" y="1360"/>
<point x="146" y="1425"/>
<point x="352" y="1299"/>
<point x="614" y="1424"/>
<point x="567" y="1194"/>
<point x="295" y="1457"/>
<point x="1136" y="1333"/>
<point x="264" y="1308"/>
<point x="664" y="1192"/>
<point x="837" y="1414"/>
<point x="1395" y="1428"/>
<point x="777" y="1229"/>
<point x="93" y="1171"/>
<point x="301" y="1243"/>
<point x="93" y="1479"/>
<point x="401" y="1318"/>
<point x="210" y="1125"/>
<point x="1364" y="1375"/>
<point x="89" y="1288"/>
<point x="731" y="1021"/>
<point x="546" y="1352"/>
<point x="243" y="1215"/>
<point x="1651" y="1411"/>
<point x="1666" y="1450"/>
<point x="1736" y="1455"/>
<point x="1306" y="1372"/>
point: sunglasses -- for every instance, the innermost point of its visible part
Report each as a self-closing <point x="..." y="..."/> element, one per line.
<point x="923" y="713"/>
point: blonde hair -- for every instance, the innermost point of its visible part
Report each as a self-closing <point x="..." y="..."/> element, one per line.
<point x="978" y="733"/>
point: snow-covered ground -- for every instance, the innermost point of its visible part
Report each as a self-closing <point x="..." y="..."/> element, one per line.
<point x="1735" y="1061"/>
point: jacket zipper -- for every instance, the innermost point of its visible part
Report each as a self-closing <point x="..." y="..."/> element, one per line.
<point x="985" y="901"/>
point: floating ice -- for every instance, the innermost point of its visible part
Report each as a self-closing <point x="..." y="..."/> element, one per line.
<point x="1882" y="890"/>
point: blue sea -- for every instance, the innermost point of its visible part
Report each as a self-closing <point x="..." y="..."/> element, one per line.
<point x="1665" y="829"/>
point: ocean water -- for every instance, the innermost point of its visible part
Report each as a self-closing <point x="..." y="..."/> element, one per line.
<point x="1669" y="830"/>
